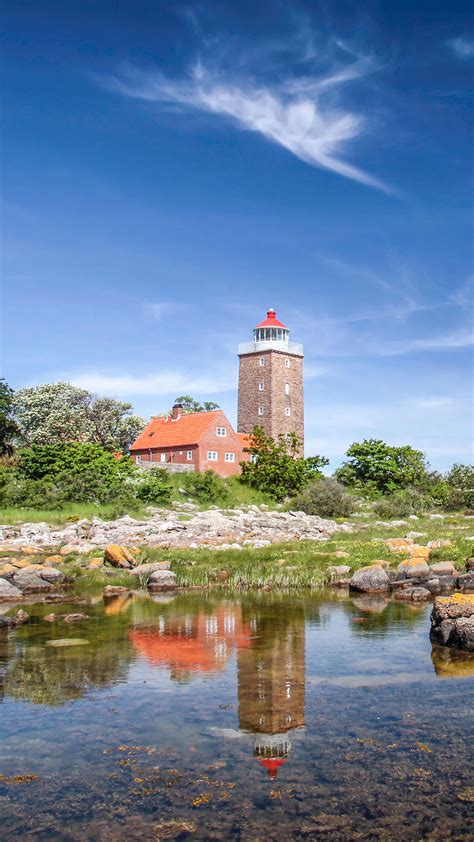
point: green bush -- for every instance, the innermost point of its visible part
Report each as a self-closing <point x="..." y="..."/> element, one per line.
<point x="206" y="487"/>
<point x="276" y="466"/>
<point x="326" y="498"/>
<point x="154" y="486"/>
<point x="410" y="501"/>
<point x="376" y="467"/>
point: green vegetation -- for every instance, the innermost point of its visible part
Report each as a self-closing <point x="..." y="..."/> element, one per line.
<point x="8" y="426"/>
<point x="276" y="467"/>
<point x="326" y="498"/>
<point x="188" y="404"/>
<point x="376" y="467"/>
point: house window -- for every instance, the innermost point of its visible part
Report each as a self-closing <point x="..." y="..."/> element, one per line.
<point x="260" y="410"/>
<point x="287" y="388"/>
<point x="221" y="431"/>
<point x="189" y="455"/>
<point x="287" y="411"/>
<point x="162" y="457"/>
<point x="287" y="363"/>
<point x="262" y="361"/>
<point x="229" y="457"/>
<point x="261" y="386"/>
<point x="212" y="455"/>
<point x="138" y="460"/>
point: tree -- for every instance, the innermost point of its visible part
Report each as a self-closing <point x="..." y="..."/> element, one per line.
<point x="8" y="427"/>
<point x="190" y="405"/>
<point x="56" y="413"/>
<point x="275" y="466"/>
<point x="461" y="478"/>
<point x="374" y="466"/>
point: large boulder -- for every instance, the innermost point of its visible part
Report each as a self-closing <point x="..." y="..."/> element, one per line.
<point x="443" y="568"/>
<point x="51" y="575"/>
<point x="452" y="621"/>
<point x="162" y="580"/>
<point x="30" y="582"/>
<point x="9" y="592"/>
<point x="411" y="568"/>
<point x="371" y="579"/>
<point x="412" y="594"/>
<point x="119" y="556"/>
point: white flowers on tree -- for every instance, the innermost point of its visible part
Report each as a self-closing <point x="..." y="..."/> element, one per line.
<point x="59" y="412"/>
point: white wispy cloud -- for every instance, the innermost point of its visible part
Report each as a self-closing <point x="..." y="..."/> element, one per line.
<point x="299" y="113"/>
<point x="163" y="383"/>
<point x="156" y="310"/>
<point x="462" y="47"/>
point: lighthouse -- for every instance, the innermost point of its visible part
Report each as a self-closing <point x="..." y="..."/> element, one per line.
<point x="271" y="381"/>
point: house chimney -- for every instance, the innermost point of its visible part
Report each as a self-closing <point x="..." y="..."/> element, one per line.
<point x="177" y="411"/>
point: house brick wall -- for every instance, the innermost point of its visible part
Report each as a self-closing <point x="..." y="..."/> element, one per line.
<point x="274" y="400"/>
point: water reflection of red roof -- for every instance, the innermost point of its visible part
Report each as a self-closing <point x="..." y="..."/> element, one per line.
<point x="272" y="764"/>
<point x="203" y="644"/>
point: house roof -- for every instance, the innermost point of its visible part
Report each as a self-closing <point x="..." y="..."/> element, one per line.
<point x="271" y="321"/>
<point x="165" y="432"/>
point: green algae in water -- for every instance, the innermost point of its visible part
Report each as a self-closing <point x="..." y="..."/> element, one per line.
<point x="216" y="716"/>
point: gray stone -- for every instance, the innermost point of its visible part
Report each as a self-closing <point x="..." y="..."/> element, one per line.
<point x="30" y="583"/>
<point x="51" y="575"/>
<point x="443" y="568"/>
<point x="413" y="594"/>
<point x="452" y="621"/>
<point x="9" y="592"/>
<point x="412" y="568"/>
<point x="162" y="580"/>
<point x="150" y="567"/>
<point x="465" y="582"/>
<point x="371" y="579"/>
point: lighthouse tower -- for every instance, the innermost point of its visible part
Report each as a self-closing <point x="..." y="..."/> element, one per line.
<point x="271" y="381"/>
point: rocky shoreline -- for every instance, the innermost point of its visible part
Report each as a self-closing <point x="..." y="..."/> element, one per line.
<point x="182" y="527"/>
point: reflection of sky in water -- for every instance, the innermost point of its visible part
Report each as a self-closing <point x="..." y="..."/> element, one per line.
<point x="321" y="701"/>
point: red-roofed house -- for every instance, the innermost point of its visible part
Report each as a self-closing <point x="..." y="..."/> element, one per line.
<point x="202" y="440"/>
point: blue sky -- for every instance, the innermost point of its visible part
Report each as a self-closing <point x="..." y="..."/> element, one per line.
<point x="172" y="170"/>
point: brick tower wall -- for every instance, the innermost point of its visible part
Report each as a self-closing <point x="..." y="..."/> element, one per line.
<point x="274" y="374"/>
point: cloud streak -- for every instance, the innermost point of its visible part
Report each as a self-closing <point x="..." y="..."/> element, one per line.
<point x="462" y="47"/>
<point x="163" y="383"/>
<point x="297" y="113"/>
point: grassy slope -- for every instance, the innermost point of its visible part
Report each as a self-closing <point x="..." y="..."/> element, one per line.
<point x="298" y="564"/>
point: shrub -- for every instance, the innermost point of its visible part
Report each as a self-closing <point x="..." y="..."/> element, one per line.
<point x="206" y="487"/>
<point x="461" y="479"/>
<point x="276" y="467"/>
<point x="154" y="486"/>
<point x="326" y="498"/>
<point x="410" y="501"/>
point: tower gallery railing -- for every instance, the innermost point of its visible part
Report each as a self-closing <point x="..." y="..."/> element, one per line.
<point x="272" y="345"/>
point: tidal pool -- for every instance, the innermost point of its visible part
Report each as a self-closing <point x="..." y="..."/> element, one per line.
<point x="216" y="716"/>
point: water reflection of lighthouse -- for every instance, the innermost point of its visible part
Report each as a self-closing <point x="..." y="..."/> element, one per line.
<point x="271" y="681"/>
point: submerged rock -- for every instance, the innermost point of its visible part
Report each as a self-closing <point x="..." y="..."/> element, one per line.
<point x="67" y="641"/>
<point x="30" y="582"/>
<point x="452" y="621"/>
<point x="114" y="590"/>
<point x="412" y="594"/>
<point x="372" y="579"/>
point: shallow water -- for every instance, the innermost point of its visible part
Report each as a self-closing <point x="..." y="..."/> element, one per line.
<point x="257" y="717"/>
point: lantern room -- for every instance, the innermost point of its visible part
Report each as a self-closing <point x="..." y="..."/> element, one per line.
<point x="271" y="330"/>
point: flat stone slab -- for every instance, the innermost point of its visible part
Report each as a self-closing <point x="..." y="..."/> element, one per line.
<point x="9" y="592"/>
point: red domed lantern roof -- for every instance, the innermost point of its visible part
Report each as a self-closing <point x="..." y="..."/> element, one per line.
<point x="271" y="321"/>
<point x="272" y="764"/>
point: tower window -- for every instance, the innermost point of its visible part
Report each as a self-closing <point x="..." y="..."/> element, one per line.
<point x="261" y="361"/>
<point x="212" y="455"/>
<point x="261" y="386"/>
<point x="287" y="363"/>
<point x="260" y="410"/>
<point x="221" y="431"/>
<point x="287" y="388"/>
<point x="287" y="411"/>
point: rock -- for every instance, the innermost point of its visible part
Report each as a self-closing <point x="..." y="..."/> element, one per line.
<point x="436" y="545"/>
<point x="114" y="590"/>
<point x="465" y="582"/>
<point x="51" y="560"/>
<point x="30" y="583"/>
<point x="150" y="567"/>
<point x="413" y="594"/>
<point x="413" y="517"/>
<point x="9" y="592"/>
<point x="7" y="570"/>
<point x="413" y="567"/>
<point x="418" y="552"/>
<point x="436" y="517"/>
<point x="162" y="580"/>
<point x="446" y="568"/>
<point x="398" y="545"/>
<point x="390" y="523"/>
<point x="372" y="579"/>
<point x="19" y="619"/>
<point x="68" y="549"/>
<point x="95" y="563"/>
<point x="50" y="618"/>
<point x="67" y="641"/>
<point x="470" y="564"/>
<point x="338" y="570"/>
<point x="119" y="556"/>
<point x="74" y="618"/>
<point x="452" y="621"/>
<point x="415" y="535"/>
<point x="51" y="575"/>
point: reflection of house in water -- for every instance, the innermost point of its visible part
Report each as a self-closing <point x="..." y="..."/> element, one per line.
<point x="192" y="643"/>
<point x="271" y="685"/>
